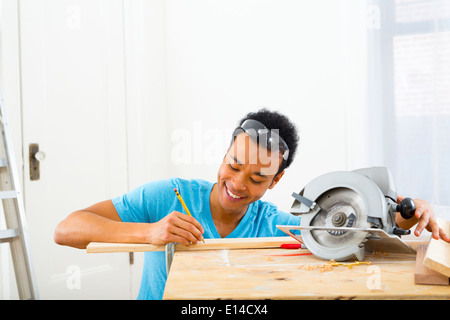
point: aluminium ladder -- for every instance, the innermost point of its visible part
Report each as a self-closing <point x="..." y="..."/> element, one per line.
<point x="16" y="232"/>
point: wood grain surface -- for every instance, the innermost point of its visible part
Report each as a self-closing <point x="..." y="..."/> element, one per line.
<point x="280" y="274"/>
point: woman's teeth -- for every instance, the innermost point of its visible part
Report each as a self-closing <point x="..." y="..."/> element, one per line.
<point x="232" y="194"/>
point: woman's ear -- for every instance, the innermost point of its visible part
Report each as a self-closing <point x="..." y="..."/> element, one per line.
<point x="276" y="179"/>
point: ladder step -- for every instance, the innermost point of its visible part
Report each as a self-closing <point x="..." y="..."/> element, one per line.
<point x="8" y="234"/>
<point x="8" y="194"/>
<point x="3" y="162"/>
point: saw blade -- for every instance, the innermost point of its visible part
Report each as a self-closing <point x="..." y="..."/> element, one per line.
<point x="341" y="207"/>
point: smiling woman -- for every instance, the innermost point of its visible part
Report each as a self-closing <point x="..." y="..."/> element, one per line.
<point x="254" y="163"/>
<point x="240" y="182"/>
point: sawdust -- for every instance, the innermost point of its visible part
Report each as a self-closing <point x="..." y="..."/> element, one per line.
<point x="378" y="254"/>
<point x="324" y="267"/>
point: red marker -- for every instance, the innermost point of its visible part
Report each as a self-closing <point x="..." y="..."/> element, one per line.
<point x="291" y="246"/>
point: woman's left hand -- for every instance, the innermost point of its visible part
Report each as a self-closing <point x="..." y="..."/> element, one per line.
<point x="424" y="215"/>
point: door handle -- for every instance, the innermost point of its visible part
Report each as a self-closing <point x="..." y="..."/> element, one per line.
<point x="35" y="157"/>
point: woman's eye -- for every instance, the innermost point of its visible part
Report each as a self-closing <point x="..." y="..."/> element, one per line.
<point x="254" y="181"/>
<point x="251" y="179"/>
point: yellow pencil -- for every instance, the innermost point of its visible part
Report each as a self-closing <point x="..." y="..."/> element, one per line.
<point x="184" y="205"/>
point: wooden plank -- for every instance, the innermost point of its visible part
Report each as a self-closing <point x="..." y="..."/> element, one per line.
<point x="210" y="244"/>
<point x="108" y="247"/>
<point x="437" y="257"/>
<point x="423" y="274"/>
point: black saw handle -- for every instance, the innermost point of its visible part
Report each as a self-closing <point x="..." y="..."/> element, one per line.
<point x="407" y="208"/>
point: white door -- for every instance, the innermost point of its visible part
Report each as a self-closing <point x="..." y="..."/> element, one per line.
<point x="73" y="106"/>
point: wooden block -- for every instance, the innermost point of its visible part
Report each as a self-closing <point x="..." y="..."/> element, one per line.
<point x="423" y="274"/>
<point x="210" y="244"/>
<point x="437" y="256"/>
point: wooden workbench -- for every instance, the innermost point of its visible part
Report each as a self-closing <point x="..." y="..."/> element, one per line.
<point x="269" y="274"/>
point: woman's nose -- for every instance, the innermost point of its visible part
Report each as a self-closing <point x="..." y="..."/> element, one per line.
<point x="239" y="182"/>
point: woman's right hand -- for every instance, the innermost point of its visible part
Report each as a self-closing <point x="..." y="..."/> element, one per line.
<point x="176" y="227"/>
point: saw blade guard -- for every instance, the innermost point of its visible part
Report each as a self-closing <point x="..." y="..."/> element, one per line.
<point x="342" y="199"/>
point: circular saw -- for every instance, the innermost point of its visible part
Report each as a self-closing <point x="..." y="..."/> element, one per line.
<point x="345" y="213"/>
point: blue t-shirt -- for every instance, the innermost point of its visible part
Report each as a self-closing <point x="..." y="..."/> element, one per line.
<point x="153" y="201"/>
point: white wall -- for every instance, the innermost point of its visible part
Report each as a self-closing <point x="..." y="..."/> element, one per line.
<point x="147" y="117"/>
<point x="228" y="58"/>
<point x="198" y="66"/>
